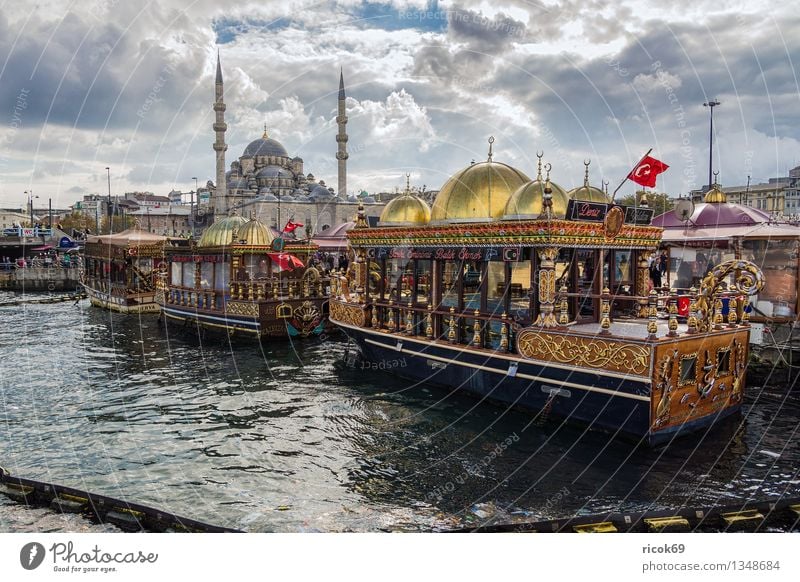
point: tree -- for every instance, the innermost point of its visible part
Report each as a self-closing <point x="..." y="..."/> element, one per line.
<point x="658" y="201"/>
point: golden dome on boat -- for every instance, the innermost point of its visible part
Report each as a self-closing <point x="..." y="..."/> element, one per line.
<point x="715" y="195"/>
<point x="587" y="193"/>
<point x="255" y="233"/>
<point x="477" y="193"/>
<point x="405" y="210"/>
<point x="526" y="202"/>
<point x="221" y="233"/>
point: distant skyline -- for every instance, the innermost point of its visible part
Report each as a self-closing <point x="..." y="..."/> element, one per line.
<point x="86" y="85"/>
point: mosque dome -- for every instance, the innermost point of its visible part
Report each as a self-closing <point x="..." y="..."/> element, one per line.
<point x="221" y="232"/>
<point x="265" y="146"/>
<point x="477" y="193"/>
<point x="272" y="172"/>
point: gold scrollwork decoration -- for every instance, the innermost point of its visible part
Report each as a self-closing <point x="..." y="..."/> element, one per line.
<point x="242" y="308"/>
<point x="747" y="280"/>
<point x="589" y="352"/>
<point x="349" y="314"/>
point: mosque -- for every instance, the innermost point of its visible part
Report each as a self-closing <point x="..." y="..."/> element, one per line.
<point x="267" y="181"/>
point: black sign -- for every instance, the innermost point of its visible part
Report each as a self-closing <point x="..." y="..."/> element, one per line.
<point x="443" y="254"/>
<point x="638" y="215"/>
<point x="586" y="211"/>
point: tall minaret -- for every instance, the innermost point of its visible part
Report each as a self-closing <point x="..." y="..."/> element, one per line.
<point x="341" y="139"/>
<point x="221" y="192"/>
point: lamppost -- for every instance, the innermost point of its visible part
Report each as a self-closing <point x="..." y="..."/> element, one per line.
<point x="30" y="195"/>
<point x="191" y="205"/>
<point x="110" y="211"/>
<point x="747" y="191"/>
<point x="711" y="104"/>
<point x="278" y="194"/>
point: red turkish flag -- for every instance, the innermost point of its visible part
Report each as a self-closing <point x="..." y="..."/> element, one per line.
<point x="646" y="171"/>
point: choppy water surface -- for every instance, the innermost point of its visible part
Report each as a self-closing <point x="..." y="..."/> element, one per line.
<point x="278" y="437"/>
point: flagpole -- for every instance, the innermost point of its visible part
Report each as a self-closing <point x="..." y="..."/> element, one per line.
<point x="629" y="173"/>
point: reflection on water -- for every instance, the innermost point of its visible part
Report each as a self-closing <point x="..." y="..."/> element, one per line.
<point x="279" y="437"/>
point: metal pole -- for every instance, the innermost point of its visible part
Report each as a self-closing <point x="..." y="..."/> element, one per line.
<point x="110" y="212"/>
<point x="50" y="214"/>
<point x="191" y="204"/>
<point x="747" y="191"/>
<point x="711" y="104"/>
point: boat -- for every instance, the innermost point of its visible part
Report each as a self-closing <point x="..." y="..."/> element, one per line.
<point x="519" y="292"/>
<point x="242" y="279"/>
<point x="121" y="270"/>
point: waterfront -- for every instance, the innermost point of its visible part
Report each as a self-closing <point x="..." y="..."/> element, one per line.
<point x="278" y="437"/>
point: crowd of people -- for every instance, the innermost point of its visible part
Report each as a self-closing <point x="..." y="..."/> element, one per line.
<point x="50" y="259"/>
<point x="327" y="262"/>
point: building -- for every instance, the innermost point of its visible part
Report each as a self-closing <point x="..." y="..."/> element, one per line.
<point x="10" y="218"/>
<point x="266" y="181"/>
<point x="779" y="196"/>
<point x="166" y="220"/>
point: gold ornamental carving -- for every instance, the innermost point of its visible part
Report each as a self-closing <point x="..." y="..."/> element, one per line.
<point x="349" y="314"/>
<point x="587" y="352"/>
<point x="747" y="280"/>
<point x="242" y="308"/>
<point x="547" y="286"/>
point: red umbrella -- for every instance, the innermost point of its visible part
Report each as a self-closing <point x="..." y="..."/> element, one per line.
<point x="285" y="261"/>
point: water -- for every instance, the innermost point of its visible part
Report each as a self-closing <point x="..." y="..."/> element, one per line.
<point x="278" y="437"/>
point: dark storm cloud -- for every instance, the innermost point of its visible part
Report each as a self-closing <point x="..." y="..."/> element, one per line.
<point x="481" y="33"/>
<point x="665" y="73"/>
<point x="85" y="73"/>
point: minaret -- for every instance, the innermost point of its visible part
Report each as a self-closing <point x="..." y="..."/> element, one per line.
<point x="341" y="139"/>
<point x="221" y="192"/>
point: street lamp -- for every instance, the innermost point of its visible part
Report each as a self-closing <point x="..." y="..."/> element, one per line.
<point x="110" y="211"/>
<point x="710" y="104"/>
<point x="30" y="195"/>
<point x="191" y="205"/>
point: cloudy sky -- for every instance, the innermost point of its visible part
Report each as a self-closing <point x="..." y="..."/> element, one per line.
<point x="129" y="85"/>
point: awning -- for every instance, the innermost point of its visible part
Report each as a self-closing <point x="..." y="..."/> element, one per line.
<point x="43" y="248"/>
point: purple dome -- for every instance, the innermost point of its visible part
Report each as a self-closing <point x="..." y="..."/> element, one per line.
<point x="711" y="214"/>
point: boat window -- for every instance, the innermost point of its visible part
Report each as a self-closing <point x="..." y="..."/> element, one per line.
<point x="587" y="283"/>
<point x="778" y="261"/>
<point x="398" y="272"/>
<point x="723" y="361"/>
<point x="688" y="369"/>
<point x="450" y="273"/>
<point x="175" y="274"/>
<point x="221" y="276"/>
<point x="188" y="274"/>
<point x="520" y="304"/>
<point x="421" y="283"/>
<point x="472" y="277"/>
<point x="496" y="289"/>
<point x="206" y="275"/>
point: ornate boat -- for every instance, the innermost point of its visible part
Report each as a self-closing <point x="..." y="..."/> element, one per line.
<point x="241" y="279"/>
<point x="121" y="270"/>
<point x="519" y="292"/>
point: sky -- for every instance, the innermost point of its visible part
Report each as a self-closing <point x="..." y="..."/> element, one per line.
<point x="129" y="86"/>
